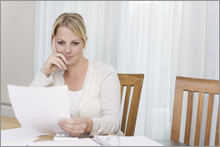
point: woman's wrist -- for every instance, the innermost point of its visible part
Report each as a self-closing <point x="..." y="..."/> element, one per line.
<point x="89" y="125"/>
<point x="45" y="73"/>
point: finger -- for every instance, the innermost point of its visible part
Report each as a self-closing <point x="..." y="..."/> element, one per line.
<point x="70" y="131"/>
<point x="74" y="120"/>
<point x="73" y="127"/>
<point x="53" y="61"/>
<point x="62" y="57"/>
<point x="61" y="62"/>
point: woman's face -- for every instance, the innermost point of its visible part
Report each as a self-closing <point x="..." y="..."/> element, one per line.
<point x="69" y="44"/>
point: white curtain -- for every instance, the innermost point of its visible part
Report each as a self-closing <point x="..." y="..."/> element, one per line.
<point x="199" y="55"/>
<point x="161" y="39"/>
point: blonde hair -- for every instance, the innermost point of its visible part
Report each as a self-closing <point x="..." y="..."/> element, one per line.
<point x="73" y="21"/>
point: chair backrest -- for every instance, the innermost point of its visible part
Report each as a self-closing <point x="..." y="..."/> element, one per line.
<point x="194" y="85"/>
<point x="128" y="80"/>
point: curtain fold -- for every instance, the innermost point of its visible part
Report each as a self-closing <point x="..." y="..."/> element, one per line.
<point x="162" y="39"/>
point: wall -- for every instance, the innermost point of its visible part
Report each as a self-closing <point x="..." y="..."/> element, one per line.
<point x="17" y="45"/>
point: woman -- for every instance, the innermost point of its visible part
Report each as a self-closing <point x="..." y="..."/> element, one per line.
<point x="94" y="87"/>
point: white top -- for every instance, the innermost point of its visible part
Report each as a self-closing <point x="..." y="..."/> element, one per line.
<point x="101" y="96"/>
<point x="74" y="99"/>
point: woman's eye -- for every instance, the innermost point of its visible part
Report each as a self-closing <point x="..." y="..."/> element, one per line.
<point x="75" y="43"/>
<point x="61" y="43"/>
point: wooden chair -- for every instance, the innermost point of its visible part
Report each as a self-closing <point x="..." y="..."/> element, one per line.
<point x="194" y="85"/>
<point x="129" y="80"/>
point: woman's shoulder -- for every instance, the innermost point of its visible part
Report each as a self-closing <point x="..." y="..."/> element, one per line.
<point x="103" y="67"/>
<point x="98" y="64"/>
<point x="104" y="70"/>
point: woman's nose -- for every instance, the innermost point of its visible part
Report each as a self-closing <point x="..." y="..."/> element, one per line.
<point x="67" y="50"/>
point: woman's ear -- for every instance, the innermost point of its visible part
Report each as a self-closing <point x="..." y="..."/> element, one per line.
<point x="86" y="38"/>
<point x="54" y="49"/>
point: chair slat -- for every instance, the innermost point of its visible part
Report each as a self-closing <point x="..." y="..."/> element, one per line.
<point x="188" y="117"/>
<point x="199" y="119"/>
<point x="175" y="132"/>
<point x="122" y="88"/>
<point x="209" y="119"/>
<point x="124" y="117"/>
<point x="217" y="130"/>
<point x="133" y="113"/>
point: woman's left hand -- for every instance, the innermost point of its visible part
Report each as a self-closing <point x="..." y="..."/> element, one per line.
<point x="75" y="126"/>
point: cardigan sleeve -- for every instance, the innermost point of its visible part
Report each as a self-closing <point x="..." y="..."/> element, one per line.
<point x="109" y="122"/>
<point x="41" y="80"/>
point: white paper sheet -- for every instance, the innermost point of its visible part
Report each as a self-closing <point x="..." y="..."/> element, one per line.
<point x="40" y="108"/>
<point x="19" y="134"/>
<point x="7" y="142"/>
<point x="126" y="141"/>
<point x="78" y="142"/>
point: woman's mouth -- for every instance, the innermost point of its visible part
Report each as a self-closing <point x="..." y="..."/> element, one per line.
<point x="68" y="57"/>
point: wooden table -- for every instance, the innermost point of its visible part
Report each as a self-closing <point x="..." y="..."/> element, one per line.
<point x="10" y="123"/>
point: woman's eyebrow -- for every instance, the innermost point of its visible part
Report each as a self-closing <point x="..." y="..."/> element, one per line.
<point x="71" y="41"/>
<point x="75" y="40"/>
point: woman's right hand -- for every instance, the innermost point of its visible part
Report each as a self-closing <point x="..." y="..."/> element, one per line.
<point x="54" y="62"/>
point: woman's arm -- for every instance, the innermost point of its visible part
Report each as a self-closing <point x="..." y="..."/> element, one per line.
<point x="109" y="122"/>
<point x="41" y="80"/>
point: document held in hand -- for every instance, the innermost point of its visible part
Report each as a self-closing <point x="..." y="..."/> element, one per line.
<point x="40" y="108"/>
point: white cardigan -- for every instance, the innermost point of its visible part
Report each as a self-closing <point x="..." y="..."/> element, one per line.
<point x="100" y="99"/>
